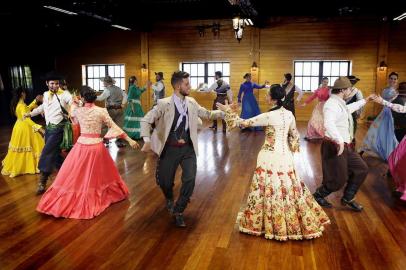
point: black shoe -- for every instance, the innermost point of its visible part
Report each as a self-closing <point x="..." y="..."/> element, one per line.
<point x="322" y="201"/>
<point x="224" y="130"/>
<point x="169" y="206"/>
<point x="213" y="127"/>
<point x="179" y="222"/>
<point x="42" y="183"/>
<point x="353" y="205"/>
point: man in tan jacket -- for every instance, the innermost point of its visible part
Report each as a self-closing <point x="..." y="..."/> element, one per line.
<point x="174" y="140"/>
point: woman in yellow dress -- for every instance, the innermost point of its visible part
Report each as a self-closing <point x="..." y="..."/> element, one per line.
<point x="26" y="141"/>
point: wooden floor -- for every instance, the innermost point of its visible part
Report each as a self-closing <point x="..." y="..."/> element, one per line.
<point x="139" y="234"/>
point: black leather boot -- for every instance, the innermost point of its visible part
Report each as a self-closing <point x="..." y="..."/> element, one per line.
<point x="348" y="198"/>
<point x="319" y="195"/>
<point x="179" y="222"/>
<point x="42" y="183"/>
<point x="169" y="206"/>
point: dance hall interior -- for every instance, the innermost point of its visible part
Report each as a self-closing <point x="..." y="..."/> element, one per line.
<point x="203" y="134"/>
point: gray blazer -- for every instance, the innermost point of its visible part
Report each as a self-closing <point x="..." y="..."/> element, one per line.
<point x="163" y="115"/>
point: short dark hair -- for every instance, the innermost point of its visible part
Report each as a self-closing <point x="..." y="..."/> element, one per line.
<point x="88" y="94"/>
<point x="324" y="78"/>
<point x="288" y="76"/>
<point x="393" y="73"/>
<point x="218" y="74"/>
<point x="178" y="76"/>
<point x="247" y="75"/>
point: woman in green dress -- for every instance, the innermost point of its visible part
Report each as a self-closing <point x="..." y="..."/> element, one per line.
<point x="133" y="113"/>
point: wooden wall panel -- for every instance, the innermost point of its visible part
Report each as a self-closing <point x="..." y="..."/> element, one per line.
<point x="333" y="40"/>
<point x="397" y="49"/>
<point x="115" y="47"/>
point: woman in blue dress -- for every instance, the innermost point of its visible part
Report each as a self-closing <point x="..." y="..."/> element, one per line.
<point x="246" y="97"/>
<point x="381" y="140"/>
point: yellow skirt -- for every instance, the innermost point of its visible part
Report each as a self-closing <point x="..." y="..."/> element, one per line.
<point x="24" y="150"/>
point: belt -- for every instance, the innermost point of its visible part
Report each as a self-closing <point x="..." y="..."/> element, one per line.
<point x="176" y="144"/>
<point x="115" y="107"/>
<point x="51" y="126"/>
<point x="222" y="94"/>
<point x="349" y="145"/>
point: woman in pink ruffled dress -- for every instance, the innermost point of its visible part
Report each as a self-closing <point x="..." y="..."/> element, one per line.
<point x="315" y="127"/>
<point x="88" y="181"/>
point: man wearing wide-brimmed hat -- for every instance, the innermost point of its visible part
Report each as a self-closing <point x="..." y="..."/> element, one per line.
<point x="56" y="103"/>
<point x="341" y="164"/>
<point x="115" y="102"/>
<point x="158" y="87"/>
<point x="354" y="96"/>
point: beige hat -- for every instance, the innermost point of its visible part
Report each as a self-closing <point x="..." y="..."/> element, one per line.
<point x="342" y="83"/>
<point x="108" y="79"/>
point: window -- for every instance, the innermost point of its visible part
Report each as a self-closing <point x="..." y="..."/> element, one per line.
<point x="308" y="74"/>
<point x="21" y="76"/>
<point x="203" y="72"/>
<point x="91" y="75"/>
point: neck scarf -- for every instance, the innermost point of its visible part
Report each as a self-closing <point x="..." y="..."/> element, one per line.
<point x="181" y="106"/>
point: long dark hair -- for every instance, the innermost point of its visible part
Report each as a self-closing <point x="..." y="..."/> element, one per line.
<point x="17" y="93"/>
<point x="276" y="92"/>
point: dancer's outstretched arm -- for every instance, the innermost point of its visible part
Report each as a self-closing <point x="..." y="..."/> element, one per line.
<point x="395" y="107"/>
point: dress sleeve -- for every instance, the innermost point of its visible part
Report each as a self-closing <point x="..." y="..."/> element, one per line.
<point x="293" y="137"/>
<point x="395" y="107"/>
<point x="312" y="97"/>
<point x="114" y="131"/>
<point x="240" y="93"/>
<point x="32" y="105"/>
<point x="233" y="120"/>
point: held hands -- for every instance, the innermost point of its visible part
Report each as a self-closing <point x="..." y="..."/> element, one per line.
<point x="26" y="115"/>
<point x="225" y="107"/>
<point x="133" y="144"/>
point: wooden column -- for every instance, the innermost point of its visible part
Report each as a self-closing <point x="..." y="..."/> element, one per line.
<point x="255" y="57"/>
<point x="381" y="73"/>
<point x="146" y="99"/>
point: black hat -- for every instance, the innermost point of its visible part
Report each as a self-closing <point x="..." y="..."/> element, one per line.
<point x="353" y="79"/>
<point x="53" y="76"/>
<point x="161" y="74"/>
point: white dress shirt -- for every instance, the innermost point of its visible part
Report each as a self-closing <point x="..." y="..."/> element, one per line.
<point x="51" y="108"/>
<point x="157" y="87"/>
<point x="338" y="119"/>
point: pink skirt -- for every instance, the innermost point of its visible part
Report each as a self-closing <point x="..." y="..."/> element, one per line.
<point x="397" y="167"/>
<point x="87" y="183"/>
<point x="315" y="127"/>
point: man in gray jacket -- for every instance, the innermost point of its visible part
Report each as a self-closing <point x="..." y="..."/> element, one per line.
<point x="174" y="140"/>
<point x="115" y="102"/>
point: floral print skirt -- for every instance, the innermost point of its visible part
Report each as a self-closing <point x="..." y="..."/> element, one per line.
<point x="279" y="205"/>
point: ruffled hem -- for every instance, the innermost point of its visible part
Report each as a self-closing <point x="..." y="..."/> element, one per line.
<point x="81" y="205"/>
<point x="14" y="174"/>
<point x="286" y="237"/>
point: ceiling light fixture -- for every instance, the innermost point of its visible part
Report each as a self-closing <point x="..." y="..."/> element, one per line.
<point x="120" y="27"/>
<point x="61" y="10"/>
<point x="401" y="17"/>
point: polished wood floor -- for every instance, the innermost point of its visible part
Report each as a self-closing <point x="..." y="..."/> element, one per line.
<point x="139" y="234"/>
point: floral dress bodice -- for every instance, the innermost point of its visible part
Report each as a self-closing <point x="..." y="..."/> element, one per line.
<point x="281" y="134"/>
<point x="91" y="119"/>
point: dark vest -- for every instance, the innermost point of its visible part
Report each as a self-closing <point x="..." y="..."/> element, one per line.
<point x="289" y="103"/>
<point x="180" y="133"/>
<point x="399" y="118"/>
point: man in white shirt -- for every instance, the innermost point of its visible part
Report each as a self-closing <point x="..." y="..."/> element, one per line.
<point x="341" y="164"/>
<point x="158" y="88"/>
<point x="53" y="101"/>
<point x="223" y="93"/>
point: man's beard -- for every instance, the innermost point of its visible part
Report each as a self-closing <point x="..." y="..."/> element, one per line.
<point x="184" y="93"/>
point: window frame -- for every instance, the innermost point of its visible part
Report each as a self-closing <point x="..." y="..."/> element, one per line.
<point x="86" y="78"/>
<point x="320" y="72"/>
<point x="206" y="75"/>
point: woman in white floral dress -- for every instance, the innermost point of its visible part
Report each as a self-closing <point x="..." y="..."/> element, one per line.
<point x="279" y="204"/>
